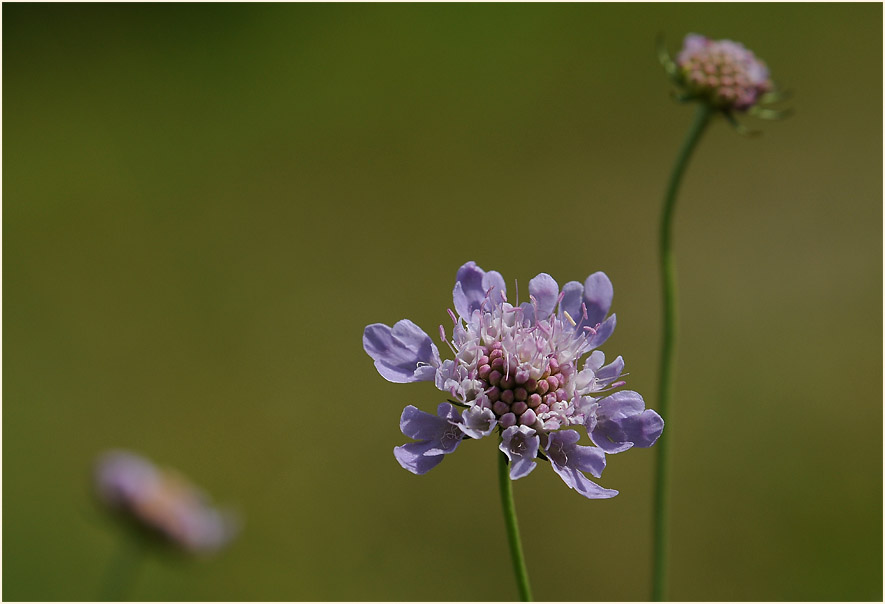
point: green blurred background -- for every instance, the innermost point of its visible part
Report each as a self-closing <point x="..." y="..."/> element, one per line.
<point x="205" y="204"/>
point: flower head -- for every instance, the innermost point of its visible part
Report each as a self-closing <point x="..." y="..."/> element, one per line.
<point x="518" y="368"/>
<point x="725" y="75"/>
<point x="723" y="72"/>
<point x="161" y="501"/>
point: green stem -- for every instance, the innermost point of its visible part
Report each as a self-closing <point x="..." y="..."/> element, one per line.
<point x="668" y="348"/>
<point x="121" y="572"/>
<point x="509" y="509"/>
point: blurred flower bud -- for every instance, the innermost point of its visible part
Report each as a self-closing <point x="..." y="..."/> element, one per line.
<point x="162" y="501"/>
<point x="724" y="76"/>
<point x="723" y="72"/>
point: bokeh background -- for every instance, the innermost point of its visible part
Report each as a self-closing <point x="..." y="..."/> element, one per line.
<point x="203" y="206"/>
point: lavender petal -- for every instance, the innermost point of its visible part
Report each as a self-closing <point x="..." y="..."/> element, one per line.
<point x="624" y="422"/>
<point x="411" y="457"/>
<point x="544" y="289"/>
<point x="468" y="293"/>
<point x="611" y="372"/>
<point x="573" y="294"/>
<point x="421" y="425"/>
<point x="520" y="445"/>
<point x="598" y="294"/>
<point x="583" y="485"/>
<point x="403" y="353"/>
<point x="602" y="332"/>
<point x="569" y="460"/>
<point x="493" y="285"/>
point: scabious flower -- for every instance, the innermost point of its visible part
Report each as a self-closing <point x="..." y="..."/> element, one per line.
<point x="162" y="501"/>
<point x="725" y="75"/>
<point x="722" y="71"/>
<point x="517" y="369"/>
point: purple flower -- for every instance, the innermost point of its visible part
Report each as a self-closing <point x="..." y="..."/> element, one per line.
<point x="570" y="460"/>
<point x="520" y="445"/>
<point x="723" y="72"/>
<point x="517" y="368"/>
<point x="162" y="501"/>
<point x="622" y="421"/>
<point x="436" y="435"/>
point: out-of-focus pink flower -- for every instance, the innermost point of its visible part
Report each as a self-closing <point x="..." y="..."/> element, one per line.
<point x="162" y="500"/>
<point x="724" y="72"/>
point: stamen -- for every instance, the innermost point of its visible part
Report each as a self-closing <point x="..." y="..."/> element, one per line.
<point x="569" y="317"/>
<point x="584" y="310"/>
<point x="451" y="314"/>
<point x="442" y="336"/>
<point x="486" y="298"/>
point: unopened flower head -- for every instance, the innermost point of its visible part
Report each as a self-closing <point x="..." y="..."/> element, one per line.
<point x="517" y="368"/>
<point x="721" y="72"/>
<point x="163" y="501"/>
<point x="724" y="72"/>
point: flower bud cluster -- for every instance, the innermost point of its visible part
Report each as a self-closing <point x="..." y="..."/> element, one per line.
<point x="725" y="73"/>
<point x="513" y="394"/>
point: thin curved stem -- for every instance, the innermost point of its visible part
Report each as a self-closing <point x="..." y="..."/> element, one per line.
<point x="668" y="349"/>
<point x="123" y="569"/>
<point x="509" y="509"/>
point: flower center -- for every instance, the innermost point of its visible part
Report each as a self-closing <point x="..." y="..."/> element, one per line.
<point x="557" y="454"/>
<point x="451" y="435"/>
<point x="521" y="369"/>
<point x="513" y="394"/>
